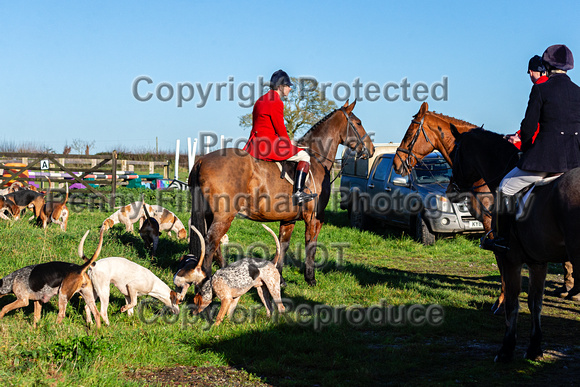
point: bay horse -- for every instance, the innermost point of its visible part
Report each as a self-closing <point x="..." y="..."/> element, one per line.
<point x="548" y="231"/>
<point x="429" y="131"/>
<point x="230" y="181"/>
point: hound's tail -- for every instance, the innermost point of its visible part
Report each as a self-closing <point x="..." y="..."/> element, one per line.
<point x="66" y="196"/>
<point x="82" y="255"/>
<point x="277" y="257"/>
<point x="202" y="245"/>
<point x="198" y="210"/>
<point x="47" y="194"/>
<point x="146" y="212"/>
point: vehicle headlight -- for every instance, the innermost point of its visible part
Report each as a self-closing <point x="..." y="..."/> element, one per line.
<point x="443" y="204"/>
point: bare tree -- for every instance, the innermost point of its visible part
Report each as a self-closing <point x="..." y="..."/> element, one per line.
<point x="80" y="145"/>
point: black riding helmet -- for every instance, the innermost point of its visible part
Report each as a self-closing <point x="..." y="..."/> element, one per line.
<point x="536" y="64"/>
<point x="280" y="78"/>
<point x="559" y="56"/>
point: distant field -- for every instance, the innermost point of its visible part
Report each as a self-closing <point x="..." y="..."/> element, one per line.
<point x="325" y="338"/>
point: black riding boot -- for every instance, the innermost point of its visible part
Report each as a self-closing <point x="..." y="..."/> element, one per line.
<point x="299" y="195"/>
<point x="504" y="217"/>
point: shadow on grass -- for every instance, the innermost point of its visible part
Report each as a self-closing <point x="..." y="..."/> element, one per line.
<point x="296" y="351"/>
<point x="344" y="354"/>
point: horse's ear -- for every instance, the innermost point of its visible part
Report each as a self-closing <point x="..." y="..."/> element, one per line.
<point x="350" y="107"/>
<point x="454" y="131"/>
<point x="423" y="109"/>
<point x="345" y="104"/>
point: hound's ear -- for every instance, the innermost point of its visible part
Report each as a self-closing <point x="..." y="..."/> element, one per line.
<point x="198" y="300"/>
<point x="174" y="298"/>
<point x="454" y="131"/>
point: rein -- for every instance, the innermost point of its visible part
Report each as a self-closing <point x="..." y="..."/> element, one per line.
<point x="360" y="141"/>
<point x="409" y="150"/>
<point x="472" y="188"/>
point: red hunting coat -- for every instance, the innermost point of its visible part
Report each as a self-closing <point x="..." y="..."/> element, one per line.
<point x="269" y="138"/>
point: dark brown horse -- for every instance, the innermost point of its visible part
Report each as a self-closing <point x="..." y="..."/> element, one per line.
<point x="230" y="181"/>
<point x="547" y="233"/>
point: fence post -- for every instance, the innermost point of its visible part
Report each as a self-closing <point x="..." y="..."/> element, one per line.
<point x="176" y="174"/>
<point x="114" y="180"/>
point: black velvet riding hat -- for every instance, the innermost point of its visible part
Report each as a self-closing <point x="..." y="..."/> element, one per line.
<point x="559" y="56"/>
<point x="280" y="78"/>
<point x="536" y="64"/>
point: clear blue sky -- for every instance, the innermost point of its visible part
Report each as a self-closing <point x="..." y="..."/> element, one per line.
<point x="67" y="68"/>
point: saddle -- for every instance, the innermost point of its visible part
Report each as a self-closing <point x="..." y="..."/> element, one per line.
<point x="288" y="169"/>
<point x="525" y="193"/>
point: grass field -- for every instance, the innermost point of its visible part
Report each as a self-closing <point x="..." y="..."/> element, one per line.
<point x="339" y="333"/>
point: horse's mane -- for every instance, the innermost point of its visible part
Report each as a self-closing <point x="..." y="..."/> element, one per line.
<point x="484" y="136"/>
<point x="488" y="152"/>
<point x="316" y="125"/>
<point x="453" y="120"/>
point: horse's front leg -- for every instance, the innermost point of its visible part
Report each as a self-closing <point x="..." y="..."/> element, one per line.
<point x="311" y="237"/>
<point x="217" y="230"/>
<point x="480" y="207"/>
<point x="286" y="229"/>
<point x="513" y="278"/>
<point x="498" y="306"/>
<point x="535" y="297"/>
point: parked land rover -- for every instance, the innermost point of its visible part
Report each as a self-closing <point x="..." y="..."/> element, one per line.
<point x="373" y="192"/>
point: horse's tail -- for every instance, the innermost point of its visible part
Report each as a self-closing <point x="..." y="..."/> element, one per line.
<point x="197" y="209"/>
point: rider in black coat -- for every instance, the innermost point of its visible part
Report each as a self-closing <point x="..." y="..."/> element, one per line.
<point x="555" y="106"/>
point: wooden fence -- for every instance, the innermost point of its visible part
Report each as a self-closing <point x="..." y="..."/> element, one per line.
<point x="102" y="170"/>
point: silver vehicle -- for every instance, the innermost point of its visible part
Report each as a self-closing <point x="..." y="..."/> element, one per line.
<point x="416" y="202"/>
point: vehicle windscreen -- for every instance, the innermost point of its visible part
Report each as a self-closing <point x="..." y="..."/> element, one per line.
<point x="431" y="171"/>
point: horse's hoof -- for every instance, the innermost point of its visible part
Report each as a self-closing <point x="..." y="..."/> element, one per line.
<point x="562" y="291"/>
<point x="573" y="294"/>
<point x="282" y="282"/>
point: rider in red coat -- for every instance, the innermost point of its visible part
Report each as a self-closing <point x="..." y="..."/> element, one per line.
<point x="269" y="138"/>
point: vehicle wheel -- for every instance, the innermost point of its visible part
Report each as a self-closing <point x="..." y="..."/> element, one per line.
<point x="422" y="233"/>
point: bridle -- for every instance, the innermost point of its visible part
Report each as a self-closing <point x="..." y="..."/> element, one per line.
<point x="360" y="140"/>
<point x="409" y="151"/>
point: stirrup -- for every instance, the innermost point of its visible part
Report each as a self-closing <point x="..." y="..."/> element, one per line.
<point x="497" y="245"/>
<point x="300" y="197"/>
